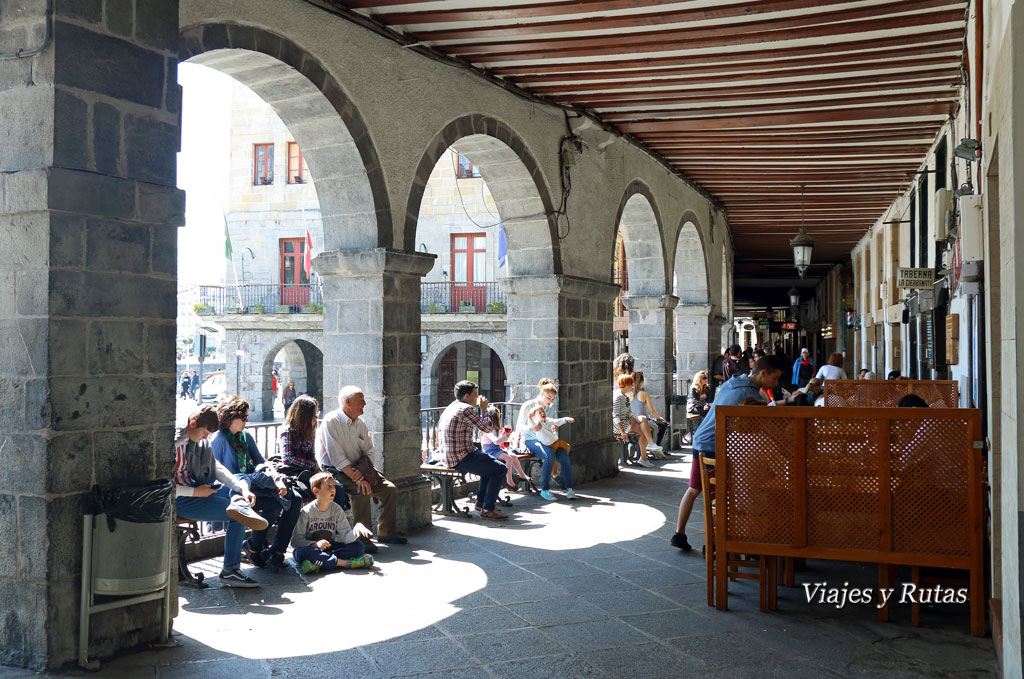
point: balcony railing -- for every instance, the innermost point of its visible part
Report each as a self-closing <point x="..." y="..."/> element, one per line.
<point x="448" y="297"/>
<point x="260" y="298"/>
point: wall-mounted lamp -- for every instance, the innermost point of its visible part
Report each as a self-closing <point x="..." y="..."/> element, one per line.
<point x="967" y="149"/>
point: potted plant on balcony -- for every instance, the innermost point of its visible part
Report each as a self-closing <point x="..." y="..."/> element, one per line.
<point x="466" y="307"/>
<point x="309" y="308"/>
<point x="496" y="308"/>
<point x="233" y="310"/>
<point x="202" y="308"/>
<point x="257" y="309"/>
<point x="437" y="308"/>
<point x="282" y="309"/>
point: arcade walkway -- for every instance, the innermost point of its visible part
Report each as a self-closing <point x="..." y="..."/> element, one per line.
<point x="583" y="589"/>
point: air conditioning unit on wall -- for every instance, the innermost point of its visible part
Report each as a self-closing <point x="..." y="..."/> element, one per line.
<point x="972" y="222"/>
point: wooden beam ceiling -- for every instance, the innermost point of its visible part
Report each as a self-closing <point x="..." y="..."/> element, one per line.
<point x="818" y="111"/>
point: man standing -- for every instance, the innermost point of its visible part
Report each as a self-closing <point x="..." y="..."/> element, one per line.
<point x="733" y="365"/>
<point x="456" y="426"/>
<point x="343" y="441"/>
<point x="764" y="375"/>
<point x="194" y="384"/>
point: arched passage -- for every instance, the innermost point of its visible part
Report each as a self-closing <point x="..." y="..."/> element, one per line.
<point x="690" y="283"/>
<point x="645" y="301"/>
<point x="455" y="357"/>
<point x="524" y="210"/>
<point x="299" y="361"/>
<point x="326" y="125"/>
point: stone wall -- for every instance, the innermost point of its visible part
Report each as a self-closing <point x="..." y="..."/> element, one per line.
<point x="87" y="275"/>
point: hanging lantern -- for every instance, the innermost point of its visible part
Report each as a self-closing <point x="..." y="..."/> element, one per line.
<point x="803" y="244"/>
<point x="794" y="297"/>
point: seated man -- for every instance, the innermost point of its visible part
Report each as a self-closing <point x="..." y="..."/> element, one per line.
<point x="343" y="441"/>
<point x="765" y="375"/>
<point x="196" y="471"/>
<point x="236" y="449"/>
<point x="458" y="451"/>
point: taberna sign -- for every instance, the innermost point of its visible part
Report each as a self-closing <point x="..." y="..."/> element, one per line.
<point x="915" y="279"/>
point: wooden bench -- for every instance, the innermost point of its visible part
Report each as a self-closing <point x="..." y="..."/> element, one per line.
<point x="186" y="529"/>
<point x="909" y="495"/>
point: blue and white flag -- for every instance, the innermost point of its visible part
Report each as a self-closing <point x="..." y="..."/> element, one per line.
<point x="502" y="246"/>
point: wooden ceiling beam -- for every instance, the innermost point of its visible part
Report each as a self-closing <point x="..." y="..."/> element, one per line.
<point x="947" y="89"/>
<point x="944" y="39"/>
<point x="925" y="136"/>
<point x="860" y="60"/>
<point x="761" y="130"/>
<point x="789" y="118"/>
<point x="743" y="10"/>
<point x="731" y="35"/>
<point x="842" y="75"/>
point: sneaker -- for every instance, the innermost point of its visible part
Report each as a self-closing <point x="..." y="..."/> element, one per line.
<point x="679" y="541"/>
<point x="659" y="453"/>
<point x="257" y="557"/>
<point x="653" y="448"/>
<point x="364" y="561"/>
<point x="273" y="558"/>
<point x="308" y="567"/>
<point x="644" y="463"/>
<point x="570" y="494"/>
<point x="240" y="511"/>
<point x="236" y="578"/>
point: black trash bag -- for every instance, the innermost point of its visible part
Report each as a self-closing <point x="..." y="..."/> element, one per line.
<point x="147" y="503"/>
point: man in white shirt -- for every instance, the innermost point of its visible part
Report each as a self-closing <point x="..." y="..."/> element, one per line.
<point x="343" y="441"/>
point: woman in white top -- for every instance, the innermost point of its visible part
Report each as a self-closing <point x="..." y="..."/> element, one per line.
<point x="833" y="368"/>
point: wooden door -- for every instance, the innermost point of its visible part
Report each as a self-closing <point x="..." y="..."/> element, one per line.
<point x="446" y="378"/>
<point x="294" y="283"/>
<point x="497" y="379"/>
<point x="469" y="270"/>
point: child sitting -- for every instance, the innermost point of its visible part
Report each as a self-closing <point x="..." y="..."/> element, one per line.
<point x="547" y="433"/>
<point x="623" y="422"/>
<point x="323" y="538"/>
<point x="494" y="444"/>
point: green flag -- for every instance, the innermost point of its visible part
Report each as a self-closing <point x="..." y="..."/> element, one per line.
<point x="227" y="240"/>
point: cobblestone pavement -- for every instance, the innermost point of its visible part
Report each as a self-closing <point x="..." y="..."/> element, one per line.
<point x="588" y="588"/>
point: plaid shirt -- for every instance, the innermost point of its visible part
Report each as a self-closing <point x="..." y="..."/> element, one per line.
<point x="456" y="430"/>
<point x="296" y="453"/>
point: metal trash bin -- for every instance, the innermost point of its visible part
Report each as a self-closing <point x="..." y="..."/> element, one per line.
<point x="125" y="554"/>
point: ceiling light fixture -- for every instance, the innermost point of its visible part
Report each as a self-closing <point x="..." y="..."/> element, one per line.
<point x="803" y="244"/>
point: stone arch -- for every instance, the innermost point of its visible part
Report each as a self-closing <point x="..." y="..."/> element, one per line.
<point x="640" y="222"/>
<point x="308" y="376"/>
<point x="333" y="137"/>
<point x="514" y="180"/>
<point x="442" y="343"/>
<point x="691" y="261"/>
<point x="694" y="341"/>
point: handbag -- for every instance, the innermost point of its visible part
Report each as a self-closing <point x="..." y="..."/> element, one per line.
<point x="369" y="472"/>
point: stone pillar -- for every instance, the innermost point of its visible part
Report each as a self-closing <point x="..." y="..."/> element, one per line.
<point x="650" y="342"/>
<point x="372" y="339"/>
<point x="88" y="268"/>
<point x="694" y="340"/>
<point x="533" y="333"/>
<point x="585" y="342"/>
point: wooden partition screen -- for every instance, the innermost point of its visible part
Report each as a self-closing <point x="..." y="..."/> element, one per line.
<point x="900" y="486"/>
<point x="887" y="393"/>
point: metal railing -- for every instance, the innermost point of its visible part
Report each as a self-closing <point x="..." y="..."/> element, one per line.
<point x="448" y="297"/>
<point x="429" y="418"/>
<point x="260" y="298"/>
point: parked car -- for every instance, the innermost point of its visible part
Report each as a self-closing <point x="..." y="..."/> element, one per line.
<point x="213" y="387"/>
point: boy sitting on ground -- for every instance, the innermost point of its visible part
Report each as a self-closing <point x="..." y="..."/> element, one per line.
<point x="323" y="539"/>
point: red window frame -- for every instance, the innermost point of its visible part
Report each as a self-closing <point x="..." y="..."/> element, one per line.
<point x="296" y="165"/>
<point x="262" y="164"/>
<point x="464" y="168"/>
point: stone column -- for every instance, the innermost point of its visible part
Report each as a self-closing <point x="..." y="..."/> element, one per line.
<point x="88" y="266"/>
<point x="650" y="342"/>
<point x="585" y="341"/>
<point x="372" y="339"/>
<point x="533" y="332"/>
<point x="694" y="341"/>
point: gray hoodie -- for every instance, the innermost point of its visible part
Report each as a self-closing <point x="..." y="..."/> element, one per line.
<point x="195" y="465"/>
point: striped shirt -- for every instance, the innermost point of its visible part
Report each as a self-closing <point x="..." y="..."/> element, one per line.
<point x="456" y="431"/>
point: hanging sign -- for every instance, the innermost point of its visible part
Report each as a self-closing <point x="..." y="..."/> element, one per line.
<point x="789" y="326"/>
<point x="915" y="279"/>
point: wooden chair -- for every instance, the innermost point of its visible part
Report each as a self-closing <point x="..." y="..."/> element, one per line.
<point x="738" y="568"/>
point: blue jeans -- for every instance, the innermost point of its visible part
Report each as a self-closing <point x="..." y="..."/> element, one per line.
<point x="547" y="457"/>
<point x="328" y="558"/>
<point x="268" y="505"/>
<point x="213" y="508"/>
<point x="491" y="473"/>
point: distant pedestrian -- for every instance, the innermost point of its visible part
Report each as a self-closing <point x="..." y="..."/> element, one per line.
<point x="833" y="369"/>
<point x="803" y="369"/>
<point x="193" y="385"/>
<point x="184" y="384"/>
<point x="289" y="395"/>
